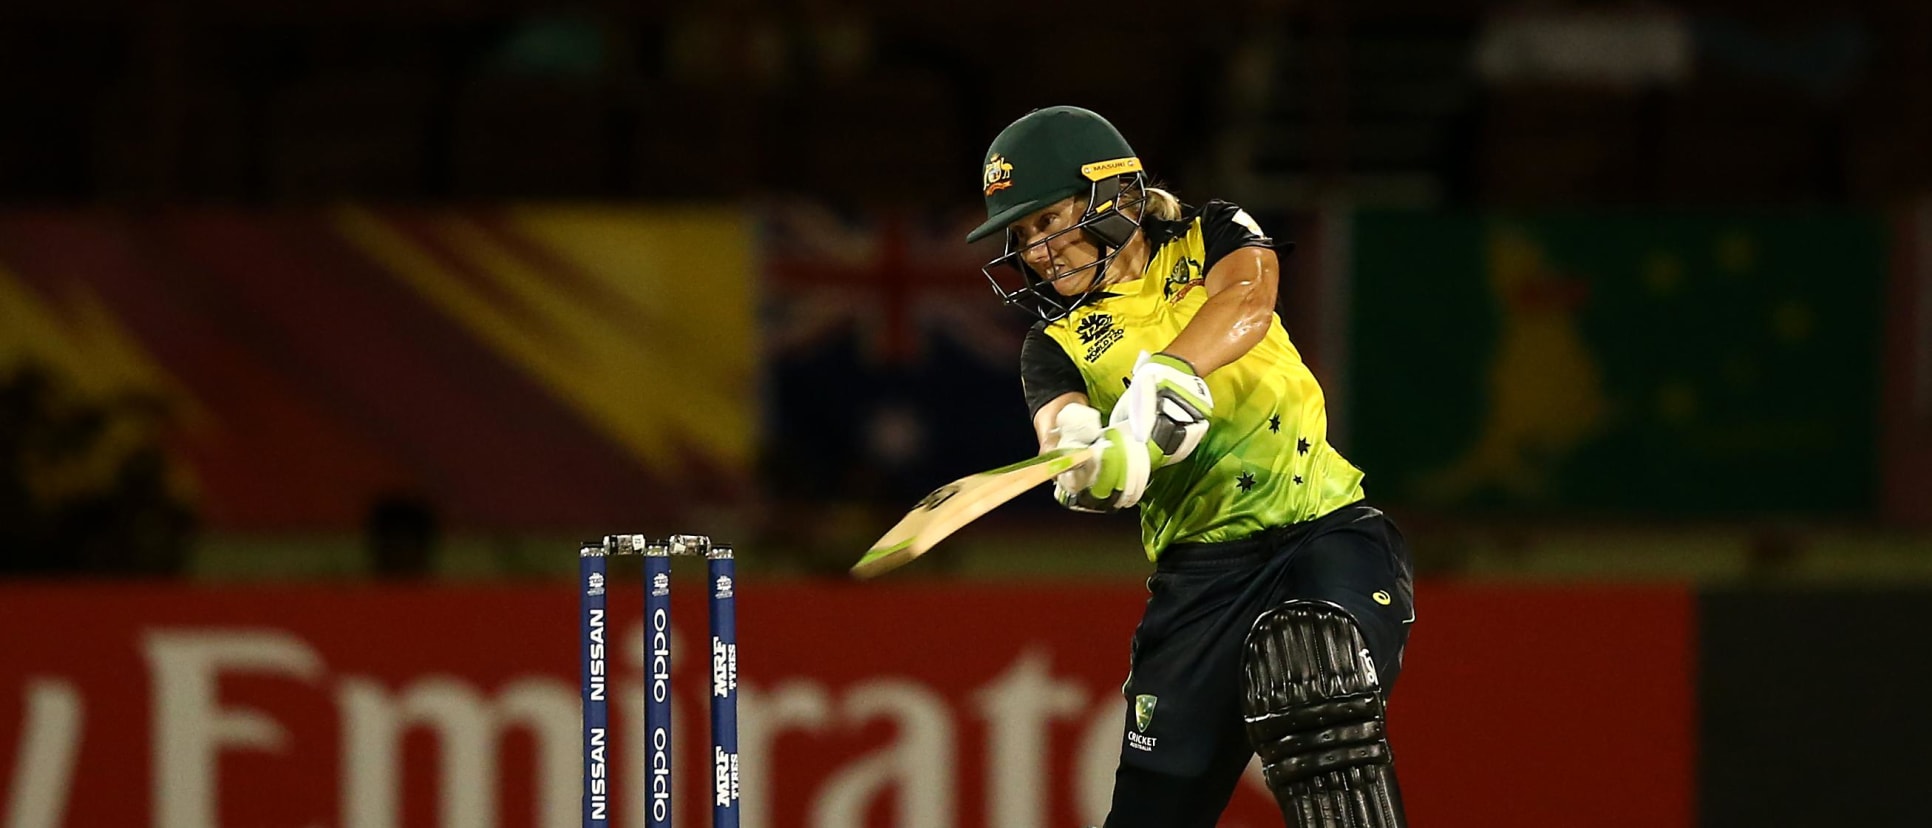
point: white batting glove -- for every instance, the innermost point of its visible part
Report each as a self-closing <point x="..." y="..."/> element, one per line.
<point x="1077" y="426"/>
<point x="1115" y="478"/>
<point x="1166" y="407"/>
<point x="1118" y="476"/>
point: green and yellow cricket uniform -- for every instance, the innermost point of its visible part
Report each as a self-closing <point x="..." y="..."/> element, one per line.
<point x="1263" y="511"/>
<point x="1265" y="460"/>
<point x="1263" y="515"/>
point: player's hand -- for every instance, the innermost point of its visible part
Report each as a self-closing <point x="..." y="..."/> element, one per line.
<point x="1166" y="407"/>
<point x="1118" y="476"/>
<point x="1077" y="426"/>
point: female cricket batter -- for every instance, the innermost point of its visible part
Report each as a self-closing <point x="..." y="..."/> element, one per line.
<point x="1281" y="601"/>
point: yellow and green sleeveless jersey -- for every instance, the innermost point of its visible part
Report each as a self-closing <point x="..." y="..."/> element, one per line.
<point x="1265" y="460"/>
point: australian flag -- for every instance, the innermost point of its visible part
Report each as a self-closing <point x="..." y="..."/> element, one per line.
<point x="891" y="365"/>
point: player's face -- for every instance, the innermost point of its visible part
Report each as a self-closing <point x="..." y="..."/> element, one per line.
<point x="1063" y="259"/>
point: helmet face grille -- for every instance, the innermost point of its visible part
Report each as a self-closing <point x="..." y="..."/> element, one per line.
<point x="1106" y="221"/>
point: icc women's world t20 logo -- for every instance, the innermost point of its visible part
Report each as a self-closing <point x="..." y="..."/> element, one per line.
<point x="1098" y="332"/>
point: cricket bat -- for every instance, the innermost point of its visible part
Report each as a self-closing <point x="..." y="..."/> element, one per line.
<point x="949" y="507"/>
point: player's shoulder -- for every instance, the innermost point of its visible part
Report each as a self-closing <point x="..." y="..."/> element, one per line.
<point x="1214" y="215"/>
<point x="1227" y="216"/>
<point x="1044" y="330"/>
<point x="1215" y="209"/>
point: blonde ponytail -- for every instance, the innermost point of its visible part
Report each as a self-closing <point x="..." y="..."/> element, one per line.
<point x="1161" y="204"/>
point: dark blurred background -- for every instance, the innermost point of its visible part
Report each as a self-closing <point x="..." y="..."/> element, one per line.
<point x="315" y="275"/>
<point x="1564" y="103"/>
<point x="1624" y="307"/>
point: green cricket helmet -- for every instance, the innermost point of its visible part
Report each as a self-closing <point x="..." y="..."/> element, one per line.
<point x="1049" y="155"/>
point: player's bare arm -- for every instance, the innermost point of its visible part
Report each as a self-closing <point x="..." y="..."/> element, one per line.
<point x="1239" y="309"/>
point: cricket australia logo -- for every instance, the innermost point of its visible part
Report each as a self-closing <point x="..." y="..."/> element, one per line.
<point x="1185" y="276"/>
<point x="1143" y="719"/>
<point x="1098" y="333"/>
<point x="999" y="174"/>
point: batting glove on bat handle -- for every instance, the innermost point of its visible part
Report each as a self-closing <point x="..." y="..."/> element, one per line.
<point x="1166" y="406"/>
<point x="1121" y="469"/>
<point x="1077" y="426"/>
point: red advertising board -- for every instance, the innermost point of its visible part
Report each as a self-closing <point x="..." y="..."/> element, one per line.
<point x="903" y="705"/>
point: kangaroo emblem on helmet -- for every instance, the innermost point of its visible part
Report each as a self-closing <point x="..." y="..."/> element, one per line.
<point x="999" y="174"/>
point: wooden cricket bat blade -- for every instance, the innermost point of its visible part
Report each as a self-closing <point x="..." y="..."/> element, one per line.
<point x="949" y="507"/>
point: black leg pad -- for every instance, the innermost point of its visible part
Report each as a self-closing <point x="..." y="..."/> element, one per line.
<point x="1315" y="715"/>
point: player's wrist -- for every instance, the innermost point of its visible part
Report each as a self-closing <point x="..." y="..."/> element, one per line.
<point x="1158" y="372"/>
<point x="1173" y="361"/>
